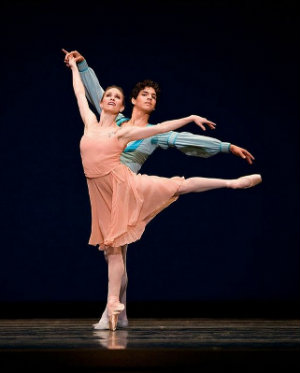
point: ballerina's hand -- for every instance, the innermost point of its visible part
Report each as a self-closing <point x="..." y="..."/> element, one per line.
<point x="78" y="57"/>
<point x="200" y="121"/>
<point x="71" y="61"/>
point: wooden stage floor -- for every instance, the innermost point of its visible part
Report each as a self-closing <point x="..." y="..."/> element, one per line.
<point x="150" y="345"/>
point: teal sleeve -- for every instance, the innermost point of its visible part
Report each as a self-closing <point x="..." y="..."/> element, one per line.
<point x="190" y="144"/>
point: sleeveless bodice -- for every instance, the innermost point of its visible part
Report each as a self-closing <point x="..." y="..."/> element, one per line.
<point x="100" y="153"/>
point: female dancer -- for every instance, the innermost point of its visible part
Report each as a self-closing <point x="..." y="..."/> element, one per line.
<point x="122" y="202"/>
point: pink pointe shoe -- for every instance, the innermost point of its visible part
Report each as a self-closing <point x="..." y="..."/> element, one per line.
<point x="249" y="181"/>
<point x="114" y="308"/>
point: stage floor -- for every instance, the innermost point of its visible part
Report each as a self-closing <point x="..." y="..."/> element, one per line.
<point x="240" y="345"/>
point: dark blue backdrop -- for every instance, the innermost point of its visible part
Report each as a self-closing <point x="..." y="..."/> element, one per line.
<point x="236" y="64"/>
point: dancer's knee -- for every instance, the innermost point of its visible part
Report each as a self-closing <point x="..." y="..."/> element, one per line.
<point x="113" y="251"/>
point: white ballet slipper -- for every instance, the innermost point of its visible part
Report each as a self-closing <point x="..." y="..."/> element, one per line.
<point x="247" y="181"/>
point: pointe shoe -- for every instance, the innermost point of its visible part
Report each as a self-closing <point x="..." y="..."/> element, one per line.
<point x="104" y="324"/>
<point x="251" y="180"/>
<point x="114" y="308"/>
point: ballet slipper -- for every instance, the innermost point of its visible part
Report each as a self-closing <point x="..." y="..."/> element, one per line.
<point x="253" y="180"/>
<point x="247" y="181"/>
<point x="103" y="324"/>
<point x="114" y="308"/>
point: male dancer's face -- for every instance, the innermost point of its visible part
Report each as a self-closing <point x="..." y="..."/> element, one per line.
<point x="146" y="100"/>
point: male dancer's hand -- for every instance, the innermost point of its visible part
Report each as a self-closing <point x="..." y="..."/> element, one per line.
<point x="243" y="153"/>
<point x="77" y="56"/>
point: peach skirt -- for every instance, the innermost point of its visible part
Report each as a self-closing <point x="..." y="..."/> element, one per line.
<point x="123" y="203"/>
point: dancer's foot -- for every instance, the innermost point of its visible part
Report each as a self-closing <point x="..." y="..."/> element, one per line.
<point x="103" y="323"/>
<point x="245" y="182"/>
<point x="114" y="308"/>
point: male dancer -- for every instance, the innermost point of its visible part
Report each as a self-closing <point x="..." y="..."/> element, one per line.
<point x="144" y="98"/>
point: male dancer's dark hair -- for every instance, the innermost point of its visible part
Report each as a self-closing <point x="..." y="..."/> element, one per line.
<point x="142" y="85"/>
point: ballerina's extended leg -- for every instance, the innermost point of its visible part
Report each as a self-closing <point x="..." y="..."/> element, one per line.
<point x="203" y="184"/>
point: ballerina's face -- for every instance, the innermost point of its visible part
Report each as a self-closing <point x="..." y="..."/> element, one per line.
<point x="112" y="101"/>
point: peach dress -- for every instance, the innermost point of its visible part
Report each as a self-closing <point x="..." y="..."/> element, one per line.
<point x="122" y="202"/>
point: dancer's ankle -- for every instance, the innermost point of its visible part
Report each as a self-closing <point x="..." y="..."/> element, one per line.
<point x="111" y="300"/>
<point x="114" y="304"/>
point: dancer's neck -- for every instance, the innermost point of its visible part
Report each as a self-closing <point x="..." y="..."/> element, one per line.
<point x="139" y="118"/>
<point x="107" y="120"/>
